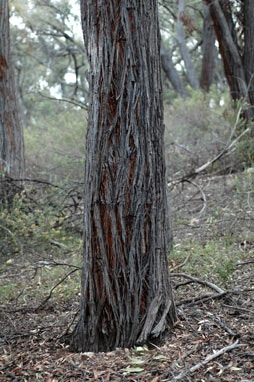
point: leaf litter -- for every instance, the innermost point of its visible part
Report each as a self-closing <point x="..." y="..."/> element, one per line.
<point x="213" y="339"/>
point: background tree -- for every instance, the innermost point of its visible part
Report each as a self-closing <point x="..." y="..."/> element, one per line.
<point x="126" y="293"/>
<point x="208" y="51"/>
<point x="234" y="30"/>
<point x="11" y="134"/>
<point x="49" y="56"/>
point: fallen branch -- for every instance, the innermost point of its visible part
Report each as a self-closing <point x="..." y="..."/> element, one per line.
<point x="52" y="290"/>
<point x="181" y="265"/>
<point x="245" y="262"/>
<point x="187" y="354"/>
<point x="218" y="322"/>
<point x="53" y="263"/>
<point x="228" y="146"/>
<point x="202" y="193"/>
<point x="207" y="360"/>
<point x="199" y="281"/>
<point x="237" y="308"/>
<point x="204" y="298"/>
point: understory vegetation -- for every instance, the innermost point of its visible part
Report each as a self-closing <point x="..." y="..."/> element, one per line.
<point x="212" y="213"/>
<point x="42" y="226"/>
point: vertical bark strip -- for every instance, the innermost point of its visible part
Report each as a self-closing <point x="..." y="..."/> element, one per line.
<point x="208" y="50"/>
<point x="11" y="133"/>
<point x="248" y="58"/>
<point x="126" y="293"/>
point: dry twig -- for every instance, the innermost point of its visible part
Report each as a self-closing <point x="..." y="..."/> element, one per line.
<point x="199" y="281"/>
<point x="208" y="359"/>
<point x="181" y="265"/>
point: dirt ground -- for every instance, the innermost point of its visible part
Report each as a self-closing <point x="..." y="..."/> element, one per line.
<point x="213" y="339"/>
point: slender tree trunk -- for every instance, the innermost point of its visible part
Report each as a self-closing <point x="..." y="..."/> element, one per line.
<point x="189" y="67"/>
<point x="11" y="133"/>
<point x="229" y="50"/>
<point x="126" y="292"/>
<point x="208" y="50"/>
<point x="172" y="74"/>
<point x="248" y="58"/>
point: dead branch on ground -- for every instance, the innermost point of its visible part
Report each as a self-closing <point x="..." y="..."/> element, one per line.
<point x="181" y="265"/>
<point x="199" y="281"/>
<point x="207" y="360"/>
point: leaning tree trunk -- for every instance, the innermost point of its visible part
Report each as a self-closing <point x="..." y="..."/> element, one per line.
<point x="126" y="293"/>
<point x="172" y="74"/>
<point x="11" y="133"/>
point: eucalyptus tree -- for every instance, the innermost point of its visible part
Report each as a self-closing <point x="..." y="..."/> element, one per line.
<point x="191" y="42"/>
<point x="11" y="133"/>
<point x="49" y="55"/>
<point x="208" y="51"/>
<point x="126" y="293"/>
<point x="234" y="27"/>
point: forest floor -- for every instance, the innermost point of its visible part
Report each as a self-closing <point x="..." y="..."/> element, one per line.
<point x="213" y="277"/>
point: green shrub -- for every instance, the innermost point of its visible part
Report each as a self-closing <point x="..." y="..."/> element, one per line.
<point x="55" y="144"/>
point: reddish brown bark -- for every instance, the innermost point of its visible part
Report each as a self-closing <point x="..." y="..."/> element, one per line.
<point x="126" y="292"/>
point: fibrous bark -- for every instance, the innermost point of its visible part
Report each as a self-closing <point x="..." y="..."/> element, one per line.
<point x="208" y="51"/>
<point x="126" y="293"/>
<point x="248" y="58"/>
<point x="11" y="133"/>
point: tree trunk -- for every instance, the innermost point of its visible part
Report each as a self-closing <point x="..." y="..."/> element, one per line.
<point x="248" y="58"/>
<point x="189" y="67"/>
<point x="172" y="74"/>
<point x="227" y="37"/>
<point x="126" y="293"/>
<point x="208" y="50"/>
<point x="11" y="133"/>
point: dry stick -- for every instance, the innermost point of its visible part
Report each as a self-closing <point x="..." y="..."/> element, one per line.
<point x="225" y="150"/>
<point x="53" y="263"/>
<point x="218" y="322"/>
<point x="239" y="308"/>
<point x="176" y="286"/>
<point x="208" y="359"/>
<point x="83" y="371"/>
<point x="202" y="193"/>
<point x="187" y="354"/>
<point x="204" y="298"/>
<point x="245" y="262"/>
<point x="199" y="281"/>
<point x="51" y="291"/>
<point x="71" y="101"/>
<point x="181" y="265"/>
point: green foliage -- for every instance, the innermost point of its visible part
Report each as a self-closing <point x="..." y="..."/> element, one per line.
<point x="245" y="149"/>
<point x="55" y="143"/>
<point x="24" y="229"/>
<point x="198" y="129"/>
<point x="37" y="238"/>
<point x="213" y="260"/>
